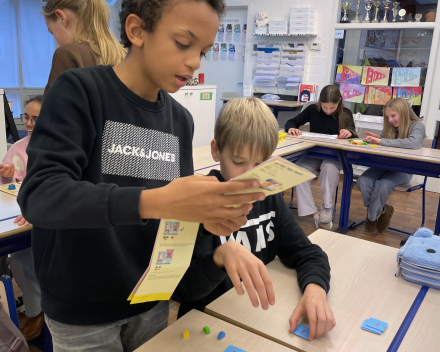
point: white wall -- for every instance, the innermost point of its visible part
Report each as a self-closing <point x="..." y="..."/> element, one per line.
<point x="319" y="64"/>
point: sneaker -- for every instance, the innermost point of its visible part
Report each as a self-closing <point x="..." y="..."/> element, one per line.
<point x="384" y="220"/>
<point x="370" y="226"/>
<point x="19" y="305"/>
<point x="316" y="218"/>
<point x="326" y="215"/>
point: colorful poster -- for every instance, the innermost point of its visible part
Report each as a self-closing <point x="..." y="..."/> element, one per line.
<point x="220" y="33"/>
<point x="406" y="77"/>
<point x="223" y="51"/>
<point x="375" y="76"/>
<point x="215" y="51"/>
<point x="412" y="95"/>
<point x="377" y="95"/>
<point x="307" y="92"/>
<point x="349" y="74"/>
<point x="352" y="92"/>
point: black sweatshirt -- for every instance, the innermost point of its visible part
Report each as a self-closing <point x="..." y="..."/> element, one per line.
<point x="320" y="122"/>
<point x="95" y="147"/>
<point x="271" y="231"/>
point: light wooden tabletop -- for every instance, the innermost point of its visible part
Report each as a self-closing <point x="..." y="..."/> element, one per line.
<point x="422" y="154"/>
<point x="171" y="339"/>
<point x="8" y="206"/>
<point x="423" y="334"/>
<point x="363" y="285"/>
<point x="8" y="228"/>
<point x="281" y="103"/>
<point x="321" y="142"/>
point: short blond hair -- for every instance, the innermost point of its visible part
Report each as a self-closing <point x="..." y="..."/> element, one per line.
<point x="244" y="121"/>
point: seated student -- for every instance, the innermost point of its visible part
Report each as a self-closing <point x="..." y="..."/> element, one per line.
<point x="401" y="129"/>
<point x="328" y="116"/>
<point x="246" y="134"/>
<point x="13" y="169"/>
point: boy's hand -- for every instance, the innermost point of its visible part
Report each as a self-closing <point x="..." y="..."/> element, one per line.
<point x="240" y="263"/>
<point x="7" y="171"/>
<point x="344" y="134"/>
<point x="314" y="304"/>
<point x="201" y="199"/>
<point x="294" y="132"/>
<point x="21" y="221"/>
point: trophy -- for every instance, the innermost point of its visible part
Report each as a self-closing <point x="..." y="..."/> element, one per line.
<point x="386" y="5"/>
<point x="376" y="5"/>
<point x="356" y="19"/>
<point x="395" y="5"/>
<point x="418" y="17"/>
<point x="345" y="6"/>
<point x="368" y="6"/>
<point x="402" y="13"/>
<point x="409" y="18"/>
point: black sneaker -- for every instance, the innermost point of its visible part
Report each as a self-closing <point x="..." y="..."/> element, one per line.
<point x="19" y="305"/>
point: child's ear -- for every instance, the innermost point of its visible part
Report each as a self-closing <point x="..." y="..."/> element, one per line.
<point x="134" y="30"/>
<point x="214" y="151"/>
<point x="61" y="16"/>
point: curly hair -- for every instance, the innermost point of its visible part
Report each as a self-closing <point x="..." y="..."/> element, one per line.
<point x="150" y="12"/>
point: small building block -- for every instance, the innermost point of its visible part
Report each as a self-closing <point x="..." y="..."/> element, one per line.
<point x="206" y="330"/>
<point x="282" y="136"/>
<point x="373" y="145"/>
<point x="221" y="335"/>
<point x="185" y="334"/>
<point x="11" y="187"/>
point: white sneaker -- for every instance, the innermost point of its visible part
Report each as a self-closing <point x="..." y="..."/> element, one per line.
<point x="316" y="218"/>
<point x="326" y="215"/>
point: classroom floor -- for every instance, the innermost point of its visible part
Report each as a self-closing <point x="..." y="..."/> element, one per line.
<point x="407" y="216"/>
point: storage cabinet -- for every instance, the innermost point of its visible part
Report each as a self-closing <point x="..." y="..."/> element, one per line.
<point x="200" y="102"/>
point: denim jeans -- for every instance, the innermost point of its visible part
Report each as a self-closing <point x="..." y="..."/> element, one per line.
<point x="376" y="186"/>
<point x="120" y="336"/>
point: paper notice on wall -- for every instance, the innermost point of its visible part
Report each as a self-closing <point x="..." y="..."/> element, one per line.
<point x="247" y="90"/>
<point x="223" y="51"/>
<point x="239" y="52"/>
<point x="231" y="52"/>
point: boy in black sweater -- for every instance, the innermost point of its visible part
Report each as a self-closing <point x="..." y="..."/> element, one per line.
<point x="246" y="134"/>
<point x="110" y="156"/>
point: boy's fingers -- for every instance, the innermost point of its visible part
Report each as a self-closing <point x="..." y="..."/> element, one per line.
<point x="240" y="199"/>
<point x="259" y="287"/>
<point x="268" y="284"/>
<point x="249" y="286"/>
<point x="238" y="186"/>
<point x="331" y="322"/>
<point x="298" y="313"/>
<point x="311" y="314"/>
<point x="235" y="278"/>
<point x="321" y="320"/>
<point x="218" y="229"/>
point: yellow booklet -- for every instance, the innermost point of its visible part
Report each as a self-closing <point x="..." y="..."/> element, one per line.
<point x="175" y="239"/>
<point x="275" y="175"/>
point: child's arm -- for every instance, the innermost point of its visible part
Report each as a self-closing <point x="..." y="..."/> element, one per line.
<point x="313" y="271"/>
<point x="211" y="265"/>
<point x="203" y="275"/>
<point x="348" y="128"/>
<point x="54" y="196"/>
<point x="299" y="120"/>
<point x="414" y="140"/>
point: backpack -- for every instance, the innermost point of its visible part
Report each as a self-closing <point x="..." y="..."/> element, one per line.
<point x="11" y="338"/>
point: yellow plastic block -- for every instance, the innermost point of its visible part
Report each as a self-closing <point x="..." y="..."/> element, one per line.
<point x="185" y="334"/>
<point x="281" y="136"/>
<point x="373" y="145"/>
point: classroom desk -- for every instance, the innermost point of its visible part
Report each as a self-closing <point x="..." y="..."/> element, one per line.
<point x="171" y="339"/>
<point x="281" y="105"/>
<point x="423" y="334"/>
<point x="363" y="285"/>
<point x="423" y="162"/>
<point x="12" y="237"/>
